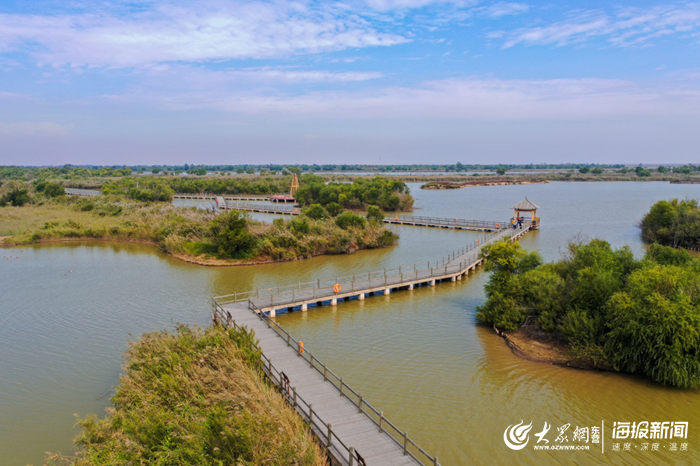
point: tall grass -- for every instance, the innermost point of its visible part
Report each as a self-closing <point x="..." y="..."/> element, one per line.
<point x="195" y="397"/>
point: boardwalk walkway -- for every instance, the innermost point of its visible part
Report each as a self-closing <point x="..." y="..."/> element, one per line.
<point x="302" y="295"/>
<point x="353" y="432"/>
<point x="435" y="222"/>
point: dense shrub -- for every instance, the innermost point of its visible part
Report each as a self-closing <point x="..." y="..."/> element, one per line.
<point x="639" y="316"/>
<point x="230" y="236"/>
<point x="673" y="223"/>
<point x="315" y="211"/>
<point x="350" y="220"/>
<point x="387" y="194"/>
<point x="15" y="194"/>
<point x="375" y="213"/>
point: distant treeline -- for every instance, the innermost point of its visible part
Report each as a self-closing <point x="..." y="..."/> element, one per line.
<point x="389" y="195"/>
<point x="611" y="310"/>
<point x="86" y="171"/>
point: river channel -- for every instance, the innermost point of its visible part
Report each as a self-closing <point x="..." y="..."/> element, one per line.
<point x="67" y="311"/>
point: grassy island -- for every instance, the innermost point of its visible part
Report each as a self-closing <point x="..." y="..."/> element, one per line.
<point x="602" y="307"/>
<point x="191" y="234"/>
<point x="195" y="397"/>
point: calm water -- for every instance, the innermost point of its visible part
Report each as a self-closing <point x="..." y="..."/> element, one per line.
<point x="67" y="311"/>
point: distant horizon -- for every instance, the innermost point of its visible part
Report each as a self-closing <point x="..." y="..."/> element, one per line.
<point x="362" y="167"/>
<point x="360" y="81"/>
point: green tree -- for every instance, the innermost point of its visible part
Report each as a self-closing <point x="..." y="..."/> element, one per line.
<point x="655" y="326"/>
<point x="375" y="213"/>
<point x="506" y="261"/>
<point x="230" y="235"/>
<point x="584" y="170"/>
<point x="54" y="190"/>
<point x="334" y="209"/>
<point x="315" y="211"/>
<point x="16" y="195"/>
<point x="348" y="220"/>
<point x="501" y="170"/>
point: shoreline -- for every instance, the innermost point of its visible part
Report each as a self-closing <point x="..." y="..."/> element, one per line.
<point x="196" y="260"/>
<point x="557" y="354"/>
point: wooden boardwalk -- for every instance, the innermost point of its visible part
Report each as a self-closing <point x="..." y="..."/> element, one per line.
<point x="351" y="429"/>
<point x="359" y="286"/>
<point x="353" y="432"/>
<point x="456" y="223"/>
<point x="238" y="197"/>
<point x="262" y="208"/>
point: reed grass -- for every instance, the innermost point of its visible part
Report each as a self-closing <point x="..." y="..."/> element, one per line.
<point x="195" y="396"/>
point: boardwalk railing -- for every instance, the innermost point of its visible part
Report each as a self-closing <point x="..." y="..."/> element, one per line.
<point x="322" y="430"/>
<point x="447" y="222"/>
<point x="400" y="437"/>
<point x="268" y="208"/>
<point x="323" y="289"/>
<point x="252" y="197"/>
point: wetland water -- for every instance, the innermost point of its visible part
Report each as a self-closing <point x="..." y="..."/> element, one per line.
<point x="68" y="309"/>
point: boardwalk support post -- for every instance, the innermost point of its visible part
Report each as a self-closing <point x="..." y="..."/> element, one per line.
<point x="304" y="307"/>
<point x="361" y="296"/>
<point x="381" y="418"/>
<point x="405" y="443"/>
<point x="352" y="456"/>
<point x="359" y="405"/>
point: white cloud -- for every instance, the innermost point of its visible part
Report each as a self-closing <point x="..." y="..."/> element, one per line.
<point x="629" y="26"/>
<point x="204" y="31"/>
<point x="385" y="5"/>
<point x="294" y="76"/>
<point x="456" y="99"/>
<point x="24" y="129"/>
<point x="503" y="9"/>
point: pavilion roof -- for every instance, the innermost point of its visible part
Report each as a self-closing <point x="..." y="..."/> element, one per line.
<point x="525" y="205"/>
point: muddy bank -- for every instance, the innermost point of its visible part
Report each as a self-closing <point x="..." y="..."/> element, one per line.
<point x="550" y="352"/>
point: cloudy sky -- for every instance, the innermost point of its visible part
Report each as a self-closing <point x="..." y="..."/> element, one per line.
<point x="357" y="81"/>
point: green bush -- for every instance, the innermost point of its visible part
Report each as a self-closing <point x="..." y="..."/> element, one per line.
<point x="230" y="236"/>
<point x="16" y="194"/>
<point x="315" y="211"/>
<point x="655" y="326"/>
<point x="334" y="209"/>
<point x="348" y="219"/>
<point x="638" y="316"/>
<point x="375" y="213"/>
<point x="673" y="223"/>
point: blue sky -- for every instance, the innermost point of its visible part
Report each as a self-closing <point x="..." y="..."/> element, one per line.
<point x="360" y="81"/>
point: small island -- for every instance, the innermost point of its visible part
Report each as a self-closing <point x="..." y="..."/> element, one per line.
<point x="599" y="308"/>
<point x="140" y="210"/>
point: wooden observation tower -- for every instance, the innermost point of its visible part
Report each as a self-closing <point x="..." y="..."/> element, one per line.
<point x="295" y="184"/>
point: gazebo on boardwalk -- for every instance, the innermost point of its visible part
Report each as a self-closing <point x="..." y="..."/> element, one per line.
<point x="528" y="206"/>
